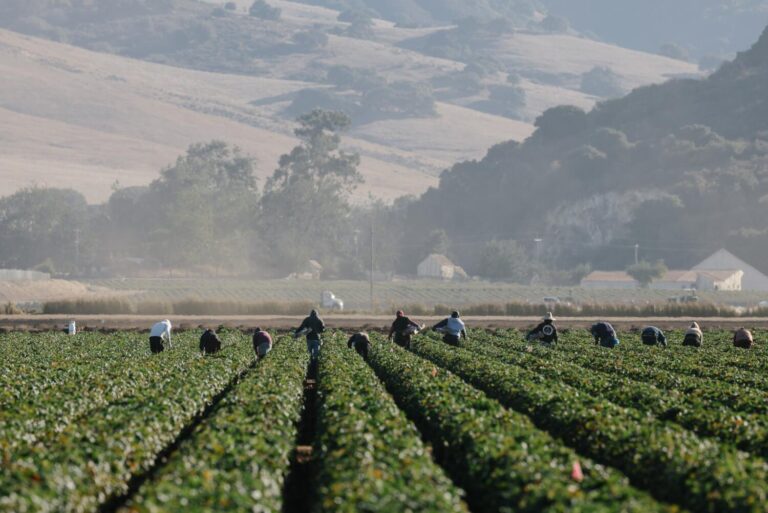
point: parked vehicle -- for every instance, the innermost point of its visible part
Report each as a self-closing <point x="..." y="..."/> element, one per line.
<point x="330" y="301"/>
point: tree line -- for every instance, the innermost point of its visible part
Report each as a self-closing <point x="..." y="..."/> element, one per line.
<point x="206" y="213"/>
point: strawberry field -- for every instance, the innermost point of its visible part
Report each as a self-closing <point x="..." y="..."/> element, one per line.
<point x="95" y="422"/>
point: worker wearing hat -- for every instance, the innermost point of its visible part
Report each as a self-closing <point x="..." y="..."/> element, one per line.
<point x="545" y="332"/>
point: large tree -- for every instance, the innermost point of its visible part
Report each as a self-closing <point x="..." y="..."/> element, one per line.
<point x="645" y="272"/>
<point x="201" y="209"/>
<point x="305" y="208"/>
<point x="41" y="224"/>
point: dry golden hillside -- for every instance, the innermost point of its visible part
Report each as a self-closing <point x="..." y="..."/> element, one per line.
<point x="70" y="117"/>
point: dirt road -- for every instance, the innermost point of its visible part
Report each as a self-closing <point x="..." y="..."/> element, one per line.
<point x="349" y="322"/>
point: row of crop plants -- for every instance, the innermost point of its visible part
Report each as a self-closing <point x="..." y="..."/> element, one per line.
<point x="368" y="456"/>
<point x="639" y="367"/>
<point x="701" y="415"/>
<point x="500" y="458"/>
<point x="238" y="458"/>
<point x="64" y="379"/>
<point x="85" y="463"/>
<point x="716" y="359"/>
<point x="108" y="410"/>
<point x="671" y="462"/>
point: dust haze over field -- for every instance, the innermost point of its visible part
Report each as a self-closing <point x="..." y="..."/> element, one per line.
<point x="527" y="141"/>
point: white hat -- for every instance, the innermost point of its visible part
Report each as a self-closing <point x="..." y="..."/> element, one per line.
<point x="549" y="317"/>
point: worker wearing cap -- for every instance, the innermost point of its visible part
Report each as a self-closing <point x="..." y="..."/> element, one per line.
<point x="452" y="328"/>
<point x="545" y="332"/>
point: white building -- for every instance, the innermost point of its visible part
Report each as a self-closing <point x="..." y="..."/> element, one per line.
<point x="753" y="278"/>
<point x="672" y="280"/>
<point x="22" y="275"/>
<point x="439" y="267"/>
<point x="609" y="280"/>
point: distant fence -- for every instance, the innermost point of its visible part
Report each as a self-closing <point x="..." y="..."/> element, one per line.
<point x="17" y="275"/>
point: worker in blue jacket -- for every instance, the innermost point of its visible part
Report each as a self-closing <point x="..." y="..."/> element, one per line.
<point x="652" y="336"/>
<point x="604" y="335"/>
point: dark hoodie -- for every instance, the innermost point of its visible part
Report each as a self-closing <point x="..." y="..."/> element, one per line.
<point x="401" y="324"/>
<point x="210" y="342"/>
<point x="315" y="325"/>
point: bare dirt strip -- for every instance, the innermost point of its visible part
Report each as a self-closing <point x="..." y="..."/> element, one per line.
<point x="349" y="322"/>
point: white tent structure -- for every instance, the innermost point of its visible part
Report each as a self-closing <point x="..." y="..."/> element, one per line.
<point x="724" y="260"/>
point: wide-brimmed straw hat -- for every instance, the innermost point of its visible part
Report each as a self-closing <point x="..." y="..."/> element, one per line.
<point x="549" y="317"/>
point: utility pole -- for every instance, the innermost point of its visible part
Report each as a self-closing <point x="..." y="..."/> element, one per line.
<point x="357" y="247"/>
<point x="637" y="248"/>
<point x="372" y="264"/>
<point x="77" y="249"/>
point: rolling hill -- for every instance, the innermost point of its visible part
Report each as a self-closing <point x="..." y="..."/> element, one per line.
<point x="680" y="169"/>
<point x="93" y="109"/>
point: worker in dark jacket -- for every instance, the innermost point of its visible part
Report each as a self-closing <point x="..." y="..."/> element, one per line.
<point x="210" y="342"/>
<point x="403" y="329"/>
<point x="452" y="329"/>
<point x="604" y="335"/>
<point x="361" y="342"/>
<point x="546" y="332"/>
<point x="652" y="336"/>
<point x="262" y="343"/>
<point x="743" y="339"/>
<point x="312" y="327"/>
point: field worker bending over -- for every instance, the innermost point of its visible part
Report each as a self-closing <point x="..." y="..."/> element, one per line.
<point x="362" y="343"/>
<point x="452" y="328"/>
<point x="546" y="332"/>
<point x="604" y="335"/>
<point x="743" y="339"/>
<point x="312" y="327"/>
<point x="210" y="343"/>
<point x="693" y="336"/>
<point x="262" y="343"/>
<point x="160" y="332"/>
<point x="652" y="336"/>
<point x="403" y="329"/>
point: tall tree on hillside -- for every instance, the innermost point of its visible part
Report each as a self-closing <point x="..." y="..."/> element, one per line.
<point x="305" y="207"/>
<point x="261" y="9"/>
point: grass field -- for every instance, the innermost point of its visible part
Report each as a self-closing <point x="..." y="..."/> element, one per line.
<point x="95" y="422"/>
<point x="395" y="294"/>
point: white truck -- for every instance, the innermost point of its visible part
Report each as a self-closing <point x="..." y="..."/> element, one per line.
<point x="330" y="301"/>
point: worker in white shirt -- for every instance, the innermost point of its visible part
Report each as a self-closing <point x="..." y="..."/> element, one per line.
<point x="452" y="328"/>
<point x="160" y="333"/>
